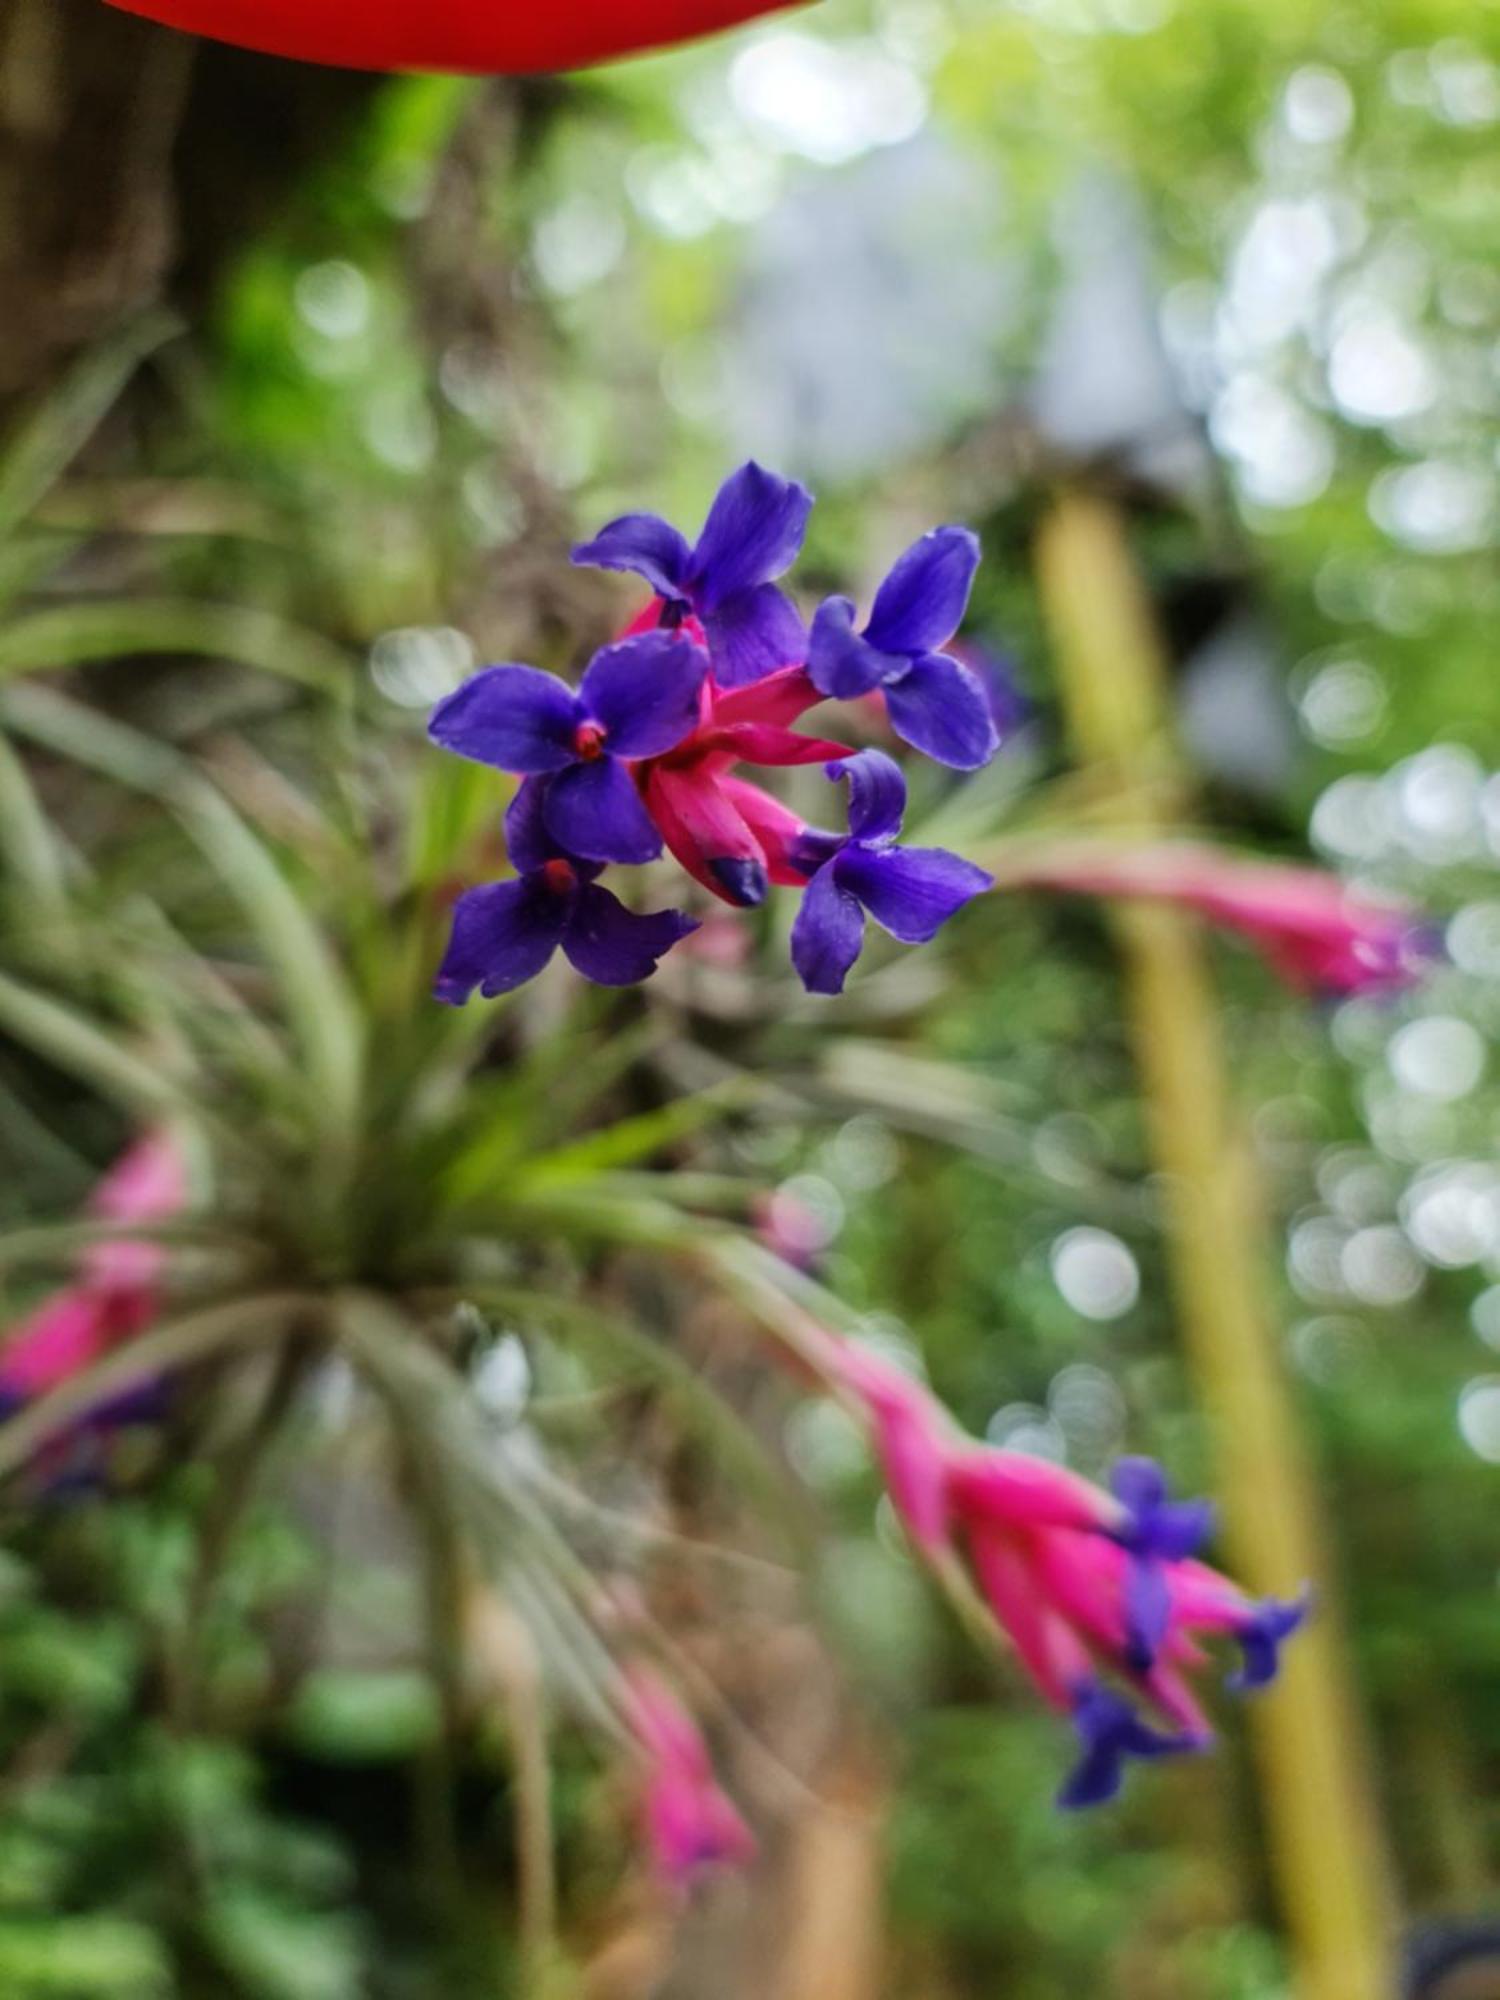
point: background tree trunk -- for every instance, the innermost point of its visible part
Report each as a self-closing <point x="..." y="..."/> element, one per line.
<point x="131" y="159"/>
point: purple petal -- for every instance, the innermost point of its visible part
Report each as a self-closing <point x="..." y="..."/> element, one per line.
<point x="753" y="532"/>
<point x="941" y="709"/>
<point x="595" y="810"/>
<point x="614" y="946"/>
<point x="1139" y="1484"/>
<point x="827" y="934"/>
<point x="527" y="840"/>
<point x="517" y="718"/>
<point x="877" y="794"/>
<point x="921" y="604"/>
<point x="910" y="891"/>
<point x="1109" y="1731"/>
<point x="839" y="662"/>
<point x="1148" y="1611"/>
<point x="752" y="634"/>
<point x="1171" y="1530"/>
<point x="644" y="691"/>
<point x="1261" y="1636"/>
<point x="503" y="934"/>
<point x="746" y="884"/>
<point x="645" y="545"/>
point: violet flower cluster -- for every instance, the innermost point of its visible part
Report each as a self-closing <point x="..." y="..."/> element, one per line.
<point x="646" y="752"/>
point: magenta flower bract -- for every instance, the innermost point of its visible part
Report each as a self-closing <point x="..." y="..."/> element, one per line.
<point x="691" y="1826"/>
<point x="1315" y="931"/>
<point x="116" y="1295"/>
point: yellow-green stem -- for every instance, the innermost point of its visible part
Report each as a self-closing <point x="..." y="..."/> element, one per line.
<point x="1327" y="1850"/>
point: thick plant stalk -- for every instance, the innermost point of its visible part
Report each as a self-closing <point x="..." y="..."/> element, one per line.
<point x="1320" y="1813"/>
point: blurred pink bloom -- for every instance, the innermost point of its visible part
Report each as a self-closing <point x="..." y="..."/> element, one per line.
<point x="1099" y="1592"/>
<point x="691" y="1827"/>
<point x="117" y="1291"/>
<point x="1315" y="931"/>
<point x="914" y="1439"/>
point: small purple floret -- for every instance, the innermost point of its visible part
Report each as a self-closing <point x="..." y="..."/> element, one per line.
<point x="1270" y="1623"/>
<point x="638" y="698"/>
<point x="752" y="535"/>
<point x="1157" y="1531"/>
<point x="934" y="702"/>
<point x="504" y="933"/>
<point x="910" y="892"/>
<point x="746" y="883"/>
<point x="1110" y="1731"/>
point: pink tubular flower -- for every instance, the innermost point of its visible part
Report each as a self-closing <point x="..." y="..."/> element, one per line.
<point x="727" y="833"/>
<point x="1316" y="932"/>
<point x="691" y="1827"/>
<point x="117" y="1291"/>
<point x="1099" y="1592"/>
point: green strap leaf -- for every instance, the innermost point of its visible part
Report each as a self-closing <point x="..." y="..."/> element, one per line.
<point x="45" y="443"/>
<point x="319" y="1001"/>
<point x="70" y="635"/>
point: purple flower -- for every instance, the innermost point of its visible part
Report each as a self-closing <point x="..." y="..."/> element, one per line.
<point x="910" y="892"/>
<point x="1261" y="1633"/>
<point x="637" y="699"/>
<point x="752" y="535"/>
<point x="936" y="704"/>
<point x="1109" y="1731"/>
<point x="505" y="932"/>
<point x="1158" y="1532"/>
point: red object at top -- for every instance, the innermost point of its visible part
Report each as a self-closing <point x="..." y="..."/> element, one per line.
<point x="492" y="37"/>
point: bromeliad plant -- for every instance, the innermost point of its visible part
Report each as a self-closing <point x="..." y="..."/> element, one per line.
<point x="379" y="1184"/>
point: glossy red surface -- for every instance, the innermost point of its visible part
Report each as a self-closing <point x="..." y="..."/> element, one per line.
<point x="489" y="36"/>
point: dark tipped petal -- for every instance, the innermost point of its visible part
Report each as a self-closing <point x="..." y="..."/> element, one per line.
<point x="753" y="532"/>
<point x="1268" y="1625"/>
<point x="595" y="810"/>
<point x="922" y="602"/>
<point x="940" y="708"/>
<point x="840" y="663"/>
<point x="701" y="824"/>
<point x="643" y="544"/>
<point x="752" y="634"/>
<point x="780" y="834"/>
<point x="877" y="794"/>
<point x="517" y="718"/>
<point x="503" y="934"/>
<point x="644" y="692"/>
<point x="614" y="946"/>
<point x="744" y="883"/>
<point x="910" y="891"/>
<point x="827" y="934"/>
